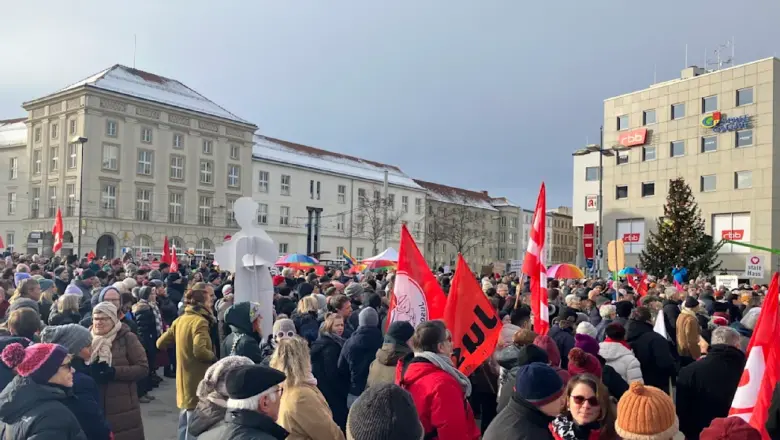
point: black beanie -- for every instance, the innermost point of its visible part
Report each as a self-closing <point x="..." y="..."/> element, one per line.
<point x="531" y="353"/>
<point x="691" y="303"/>
<point x="399" y="332"/>
<point x="384" y="412"/>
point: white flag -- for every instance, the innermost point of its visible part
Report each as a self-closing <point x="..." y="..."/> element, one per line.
<point x="660" y="326"/>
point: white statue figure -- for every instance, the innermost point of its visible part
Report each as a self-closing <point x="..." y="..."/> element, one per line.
<point x="249" y="254"/>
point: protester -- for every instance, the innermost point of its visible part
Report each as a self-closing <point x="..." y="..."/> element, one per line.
<point x="651" y="350"/>
<point x="32" y="405"/>
<point x="305" y="317"/>
<point x="527" y="354"/>
<point x="608" y="313"/>
<point x="359" y="351"/>
<point x="254" y="393"/>
<point x="730" y="428"/>
<point x="394" y="348"/>
<point x="688" y="332"/>
<point x="244" y="339"/>
<point x="148" y="331"/>
<point x="609" y="377"/>
<point x="341" y="305"/>
<point x="618" y="355"/>
<point x="24" y="322"/>
<point x="325" y="352"/>
<point x="562" y="332"/>
<point x="438" y="389"/>
<point x="384" y="411"/>
<point x="589" y="412"/>
<point x="66" y="310"/>
<point x="48" y="296"/>
<point x="208" y="417"/>
<point x="303" y="412"/>
<point x="646" y="413"/>
<point x="548" y="345"/>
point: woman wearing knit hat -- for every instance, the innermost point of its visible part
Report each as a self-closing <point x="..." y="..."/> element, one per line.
<point x="303" y="411"/>
<point x="646" y="413"/>
<point x="85" y="403"/>
<point x="31" y="406"/>
<point x="583" y="363"/>
<point x="589" y="412"/>
<point x="117" y="362"/>
<point x="359" y="351"/>
<point x="394" y="348"/>
<point x="613" y="381"/>
<point x="208" y="418"/>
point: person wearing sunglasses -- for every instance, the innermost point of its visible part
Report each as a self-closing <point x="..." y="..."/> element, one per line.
<point x="31" y="406"/>
<point x="589" y="412"/>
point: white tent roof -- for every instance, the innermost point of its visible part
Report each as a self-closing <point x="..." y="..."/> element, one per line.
<point x="389" y="254"/>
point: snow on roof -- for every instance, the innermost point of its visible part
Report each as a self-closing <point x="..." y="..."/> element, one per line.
<point x="277" y="150"/>
<point x="145" y="85"/>
<point x="13" y="132"/>
<point x="503" y="202"/>
<point x="457" y="196"/>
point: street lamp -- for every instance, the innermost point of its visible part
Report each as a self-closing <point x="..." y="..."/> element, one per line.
<point x="80" y="140"/>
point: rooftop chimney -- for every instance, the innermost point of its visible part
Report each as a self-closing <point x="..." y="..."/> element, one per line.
<point x="485" y="193"/>
<point x="690" y="72"/>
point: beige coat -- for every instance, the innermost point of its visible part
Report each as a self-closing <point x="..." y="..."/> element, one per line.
<point x="688" y="334"/>
<point x="305" y="414"/>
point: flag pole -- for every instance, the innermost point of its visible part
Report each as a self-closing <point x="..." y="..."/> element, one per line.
<point x="520" y="287"/>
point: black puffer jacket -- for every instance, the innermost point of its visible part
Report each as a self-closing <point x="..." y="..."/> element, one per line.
<point x="653" y="353"/>
<point x="520" y="420"/>
<point x="32" y="411"/>
<point x="243" y="340"/>
<point x="66" y="317"/>
<point x="356" y="356"/>
<point x="307" y="325"/>
<point x="564" y="339"/>
<point x="331" y="382"/>
<point x="251" y="425"/>
<point x="147" y="325"/>
<point x="169" y="310"/>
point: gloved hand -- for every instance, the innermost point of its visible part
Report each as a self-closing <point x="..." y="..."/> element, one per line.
<point x="102" y="372"/>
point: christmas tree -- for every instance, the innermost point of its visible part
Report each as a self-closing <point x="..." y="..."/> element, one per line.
<point x="679" y="238"/>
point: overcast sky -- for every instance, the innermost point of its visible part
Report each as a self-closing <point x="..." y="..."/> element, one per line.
<point x="486" y="95"/>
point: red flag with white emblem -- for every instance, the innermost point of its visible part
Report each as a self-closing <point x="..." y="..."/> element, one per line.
<point x="533" y="265"/>
<point x="57" y="231"/>
<point x="174" y="260"/>
<point x="166" y="252"/>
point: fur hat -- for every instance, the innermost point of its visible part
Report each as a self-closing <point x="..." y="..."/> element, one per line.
<point x="214" y="381"/>
<point x="646" y="413"/>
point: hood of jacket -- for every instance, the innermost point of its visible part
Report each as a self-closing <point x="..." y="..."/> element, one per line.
<point x="22" y="395"/>
<point x="141" y="307"/>
<point x="325" y="340"/>
<point x="612" y="351"/>
<point x="741" y="329"/>
<point x="205" y="416"/>
<point x="389" y="354"/>
<point x="237" y="316"/>
<point x="507" y="358"/>
<point x="636" y="329"/>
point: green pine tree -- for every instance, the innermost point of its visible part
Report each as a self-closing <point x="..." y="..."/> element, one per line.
<point x="680" y="238"/>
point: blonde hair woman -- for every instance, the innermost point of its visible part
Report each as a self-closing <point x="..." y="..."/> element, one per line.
<point x="305" y="318"/>
<point x="325" y="352"/>
<point x="66" y="310"/>
<point x="303" y="411"/>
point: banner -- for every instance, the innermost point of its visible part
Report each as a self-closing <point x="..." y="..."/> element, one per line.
<point x="471" y="319"/>
<point x="533" y="265"/>
<point x="166" y="252"/>
<point x="588" y="240"/>
<point x="57" y="231"/>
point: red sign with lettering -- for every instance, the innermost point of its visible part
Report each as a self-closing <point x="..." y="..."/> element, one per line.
<point x="633" y="137"/>
<point x="631" y="238"/>
<point x="588" y="238"/>
<point x="732" y="234"/>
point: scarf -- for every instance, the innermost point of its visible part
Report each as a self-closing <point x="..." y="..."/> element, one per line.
<point x="566" y="429"/>
<point x="101" y="345"/>
<point x="623" y="343"/>
<point x="445" y="364"/>
<point x="157" y="317"/>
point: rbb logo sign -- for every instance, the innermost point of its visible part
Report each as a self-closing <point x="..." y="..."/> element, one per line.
<point x="633" y="137"/>
<point x="754" y="266"/>
<point x="631" y="238"/>
<point x="732" y="234"/>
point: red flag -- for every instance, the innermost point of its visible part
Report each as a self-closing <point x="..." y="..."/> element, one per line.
<point x="174" y="260"/>
<point x="91" y="255"/>
<point x="2" y="245"/>
<point x="471" y="319"/>
<point x="417" y="296"/>
<point x="639" y="284"/>
<point x="533" y="266"/>
<point x="57" y="231"/>
<point x="166" y="252"/>
<point x="762" y="370"/>
<point x="679" y="286"/>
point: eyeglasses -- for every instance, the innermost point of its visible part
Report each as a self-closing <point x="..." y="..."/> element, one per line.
<point x="66" y="365"/>
<point x="592" y="401"/>
<point x="288" y="334"/>
<point x="101" y="319"/>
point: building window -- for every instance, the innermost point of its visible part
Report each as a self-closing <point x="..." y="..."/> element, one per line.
<point x="176" y="208"/>
<point x="143" y="204"/>
<point x="262" y="214"/>
<point x="745" y="96"/>
<point x="709" y="144"/>
<point x="418" y="206"/>
<point x="709" y="104"/>
<point x="283" y="247"/>
<point x="52" y="201"/>
<point x="36" y="161"/>
<point x="743" y="179"/>
<point x="206" y="172"/>
<point x="708" y="183"/>
<point x="285" y="191"/>
<point x="143" y="244"/>
<point x="284" y="216"/>
<point x="622" y="122"/>
<point x="231" y="213"/>
<point x="404" y="204"/>
<point x="10" y="240"/>
<point x="360" y="223"/>
<point x="55" y="130"/>
<point x="417" y="229"/>
<point x="678" y="111"/>
<point x="511" y="238"/>
<point x="35" y="205"/>
<point x="377" y="197"/>
<point x="146" y="135"/>
<point x="72" y="158"/>
<point x="13" y="168"/>
<point x="621" y="192"/>
<point x="111" y="128"/>
<point x="391" y="201"/>
<point x="108" y="200"/>
<point x="208" y="146"/>
<point x="205" y="247"/>
<point x="592" y="174"/>
<point x="632" y="232"/>
<point x="111" y="157"/>
<point x="234" y="151"/>
<point x="37" y="134"/>
<point x="342" y="194"/>
<point x="204" y="210"/>
<point x="622" y="157"/>
<point x="72" y="126"/>
<point x="54" y="158"/>
<point x="362" y="199"/>
<point x="648" y="117"/>
<point x="359" y="253"/>
<point x="12" y="203"/>
<point x="70" y="202"/>
<point x="340" y="220"/>
<point x="677" y="149"/>
<point x="648" y="189"/>
<point x="178" y="141"/>
<point x="177" y="167"/>
<point x="234" y="176"/>
<point x="262" y="181"/>
<point x="734" y="227"/>
<point x="145" y="160"/>
<point x="744" y="138"/>
<point x="648" y="153"/>
<point x="318" y="190"/>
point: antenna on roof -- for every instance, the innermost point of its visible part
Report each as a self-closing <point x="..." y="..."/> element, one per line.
<point x="655" y="73"/>
<point x="686" y="56"/>
<point x="135" y="46"/>
<point x="721" y="56"/>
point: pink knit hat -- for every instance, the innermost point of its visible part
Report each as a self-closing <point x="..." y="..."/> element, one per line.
<point x="39" y="362"/>
<point x="581" y="362"/>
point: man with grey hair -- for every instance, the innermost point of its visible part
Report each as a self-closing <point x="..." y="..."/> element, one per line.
<point x="705" y="388"/>
<point x="253" y="404"/>
<point x="608" y="313"/>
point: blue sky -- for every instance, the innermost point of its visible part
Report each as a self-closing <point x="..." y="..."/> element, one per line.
<point x="486" y="95"/>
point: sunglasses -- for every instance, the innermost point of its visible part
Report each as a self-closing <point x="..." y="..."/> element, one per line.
<point x="579" y="400"/>
<point x="288" y="334"/>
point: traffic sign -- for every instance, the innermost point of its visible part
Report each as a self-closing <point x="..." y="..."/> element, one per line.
<point x="754" y="266"/>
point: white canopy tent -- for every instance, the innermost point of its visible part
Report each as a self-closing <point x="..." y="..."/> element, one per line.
<point x="388" y="254"/>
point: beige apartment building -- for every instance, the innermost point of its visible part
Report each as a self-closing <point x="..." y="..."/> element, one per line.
<point x="139" y="156"/>
<point x="563" y="245"/>
<point x="713" y="128"/>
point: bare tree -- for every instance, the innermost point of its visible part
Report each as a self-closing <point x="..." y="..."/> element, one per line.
<point x="369" y="218"/>
<point x="464" y="228"/>
<point x="437" y="221"/>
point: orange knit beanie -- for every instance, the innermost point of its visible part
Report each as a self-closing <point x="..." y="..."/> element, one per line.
<point x="646" y="413"/>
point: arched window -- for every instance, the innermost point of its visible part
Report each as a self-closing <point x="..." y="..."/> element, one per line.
<point x="143" y="244"/>
<point x="205" y="247"/>
<point x="179" y="243"/>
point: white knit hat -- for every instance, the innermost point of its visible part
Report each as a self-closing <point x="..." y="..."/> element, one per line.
<point x="214" y="379"/>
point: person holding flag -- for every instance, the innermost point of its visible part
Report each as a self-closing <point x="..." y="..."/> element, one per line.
<point x="349" y="260"/>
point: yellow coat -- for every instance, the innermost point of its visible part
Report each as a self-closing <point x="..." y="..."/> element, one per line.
<point x="688" y="334"/>
<point x="194" y="352"/>
<point x="305" y="414"/>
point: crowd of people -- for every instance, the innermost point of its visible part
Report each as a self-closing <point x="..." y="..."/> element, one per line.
<point x="83" y="342"/>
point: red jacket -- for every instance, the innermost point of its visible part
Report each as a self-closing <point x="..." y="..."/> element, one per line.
<point x="439" y="399"/>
